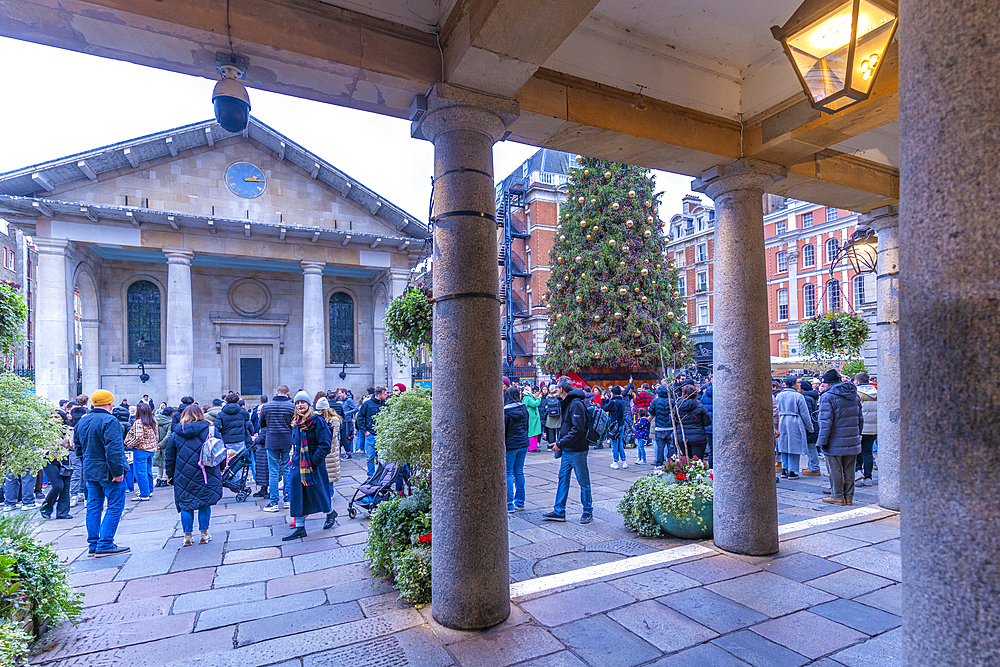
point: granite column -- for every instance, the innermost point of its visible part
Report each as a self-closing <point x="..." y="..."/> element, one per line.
<point x="745" y="505"/>
<point x="470" y="579"/>
<point x="313" y="340"/>
<point x="180" y="326"/>
<point x="52" y="329"/>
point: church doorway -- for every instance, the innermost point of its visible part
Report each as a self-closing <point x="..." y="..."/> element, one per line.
<point x="250" y="371"/>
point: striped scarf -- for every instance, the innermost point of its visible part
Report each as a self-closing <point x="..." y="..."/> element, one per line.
<point x="305" y="468"/>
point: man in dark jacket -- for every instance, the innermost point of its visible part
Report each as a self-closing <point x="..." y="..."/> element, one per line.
<point x="812" y="400"/>
<point x="366" y="424"/>
<point x="233" y="424"/>
<point x="840" y="424"/>
<point x="99" y="444"/>
<point x="276" y="424"/>
<point x="176" y="419"/>
<point x="663" y="425"/>
<point x="572" y="445"/>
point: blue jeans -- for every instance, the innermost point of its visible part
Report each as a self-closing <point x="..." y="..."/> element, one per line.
<point x="277" y="466"/>
<point x="574" y="462"/>
<point x="813" y="458"/>
<point x="187" y="519"/>
<point x="618" y="445"/>
<point x="664" y="447"/>
<point x="790" y="462"/>
<point x="708" y="450"/>
<point x="370" y="452"/>
<point x="17" y="489"/>
<point x="515" y="478"/>
<point x="101" y="530"/>
<point x="142" y="469"/>
<point x="641" y="449"/>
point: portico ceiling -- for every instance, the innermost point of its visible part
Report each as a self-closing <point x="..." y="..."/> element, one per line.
<point x="669" y="84"/>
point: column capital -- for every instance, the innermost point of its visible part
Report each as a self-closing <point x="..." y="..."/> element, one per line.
<point x="883" y="217"/>
<point x="312" y="267"/>
<point x="178" y="256"/>
<point x="744" y="173"/>
<point x="51" y="246"/>
<point x="450" y="108"/>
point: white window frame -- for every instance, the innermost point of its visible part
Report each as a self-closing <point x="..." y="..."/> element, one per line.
<point x="702" y="252"/>
<point x="781" y="227"/>
<point x="703" y="315"/>
<point x="702" y="285"/>
<point x="833" y="296"/>
<point x="782" y="258"/>
<point x="809" y="301"/>
<point x="9" y="259"/>
<point x="807" y="219"/>
<point x="833" y="243"/>
<point x="783" y="304"/>
<point x="807" y="250"/>
<point x="681" y="286"/>
<point x="831" y="214"/>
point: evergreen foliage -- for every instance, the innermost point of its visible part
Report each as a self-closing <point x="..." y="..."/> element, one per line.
<point x="612" y="294"/>
<point x="13" y="313"/>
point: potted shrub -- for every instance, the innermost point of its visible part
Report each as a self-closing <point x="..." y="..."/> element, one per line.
<point x="676" y="502"/>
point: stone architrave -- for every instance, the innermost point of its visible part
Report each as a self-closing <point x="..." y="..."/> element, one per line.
<point x="949" y="332"/>
<point x="745" y="504"/>
<point x="52" y="330"/>
<point x="180" y="325"/>
<point x="470" y="585"/>
<point x="313" y="340"/>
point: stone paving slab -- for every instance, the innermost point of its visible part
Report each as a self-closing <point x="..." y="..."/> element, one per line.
<point x="146" y="565"/>
<point x="449" y="636"/>
<point x="538" y="550"/>
<point x="383" y="603"/>
<point x="801" y="567"/>
<point x="317" y="579"/>
<point x="100" y="594"/>
<point x="661" y="626"/>
<point x="168" y="584"/>
<point x="849" y="583"/>
<point x="86" y="564"/>
<point x="706" y="655"/>
<point x="760" y="652"/>
<point x="355" y="590"/>
<point x="809" y="634"/>
<point x="869" y="532"/>
<point x="251" y="555"/>
<point x="69" y="642"/>
<point x="245" y="573"/>
<point x="416" y="647"/>
<point x="299" y="547"/>
<point x="262" y="629"/>
<point x="322" y="560"/>
<point x="198" y="557"/>
<point x="218" y="617"/>
<point x="886" y="649"/>
<point x="712" y="610"/>
<point x="219" y="597"/>
<point x="888" y="599"/>
<point x="770" y="594"/>
<point x="860" y="617"/>
<point x="823" y="545"/>
<point x="653" y="584"/>
<point x="560" y="659"/>
<point x="575" y="603"/>
<point x="601" y="641"/>
<point x="505" y="648"/>
<point x="715" y="568"/>
<point x="155" y="653"/>
<point x="125" y="612"/>
<point x="873" y="560"/>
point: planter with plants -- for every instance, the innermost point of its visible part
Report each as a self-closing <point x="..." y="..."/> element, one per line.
<point x="833" y="336"/>
<point x="409" y="319"/>
<point x="677" y="502"/>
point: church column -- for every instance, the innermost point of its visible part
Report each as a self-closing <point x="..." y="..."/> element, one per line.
<point x="180" y="325"/>
<point x="470" y="578"/>
<point x="91" y="344"/>
<point x="745" y="506"/>
<point x="313" y="340"/>
<point x="53" y="362"/>
<point x="399" y="371"/>
<point x="949" y="332"/>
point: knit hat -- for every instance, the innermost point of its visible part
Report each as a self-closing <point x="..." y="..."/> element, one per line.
<point x="303" y="396"/>
<point x="806" y="385"/>
<point x="831" y="376"/>
<point x="402" y="387"/>
<point x="102" y="397"/>
<point x="506" y="381"/>
<point x="322" y="404"/>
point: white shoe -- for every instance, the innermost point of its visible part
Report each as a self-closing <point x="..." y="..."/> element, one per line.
<point x="624" y="465"/>
<point x="73" y="502"/>
<point x="614" y="466"/>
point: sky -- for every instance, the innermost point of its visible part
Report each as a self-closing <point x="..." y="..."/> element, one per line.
<point x="61" y="102"/>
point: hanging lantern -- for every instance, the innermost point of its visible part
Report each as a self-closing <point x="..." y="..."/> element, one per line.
<point x="836" y="48"/>
<point x="862" y="249"/>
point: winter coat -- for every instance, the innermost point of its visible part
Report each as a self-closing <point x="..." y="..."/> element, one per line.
<point x="534" y="423"/>
<point x="840" y="420"/>
<point x="515" y="426"/>
<point x="350" y="412"/>
<point x="693" y="420"/>
<point x="812" y="400"/>
<point x="573" y="432"/>
<point x="794" y="421"/>
<point x="78" y="413"/>
<point x="306" y="500"/>
<point x="276" y="423"/>
<point x="164" y="426"/>
<point x="212" y="413"/>
<point x="366" y="415"/>
<point x="641" y="428"/>
<point x="178" y="413"/>
<point x="616" y="410"/>
<point x="642" y="400"/>
<point x="98" y="442"/>
<point x="868" y="395"/>
<point x="233" y="425"/>
<point x="659" y="409"/>
<point x="141" y="437"/>
<point x="707" y="401"/>
<point x="550" y="403"/>
<point x="333" y="458"/>
<point x="191" y="491"/>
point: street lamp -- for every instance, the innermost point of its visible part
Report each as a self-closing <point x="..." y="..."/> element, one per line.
<point x="837" y="48"/>
<point x="862" y="250"/>
<point x="143" y="375"/>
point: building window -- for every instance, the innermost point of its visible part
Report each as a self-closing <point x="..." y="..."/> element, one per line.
<point x="680" y="285"/>
<point x="807" y="219"/>
<point x="831" y="214"/>
<point x="864" y="290"/>
<point x="341" y="328"/>
<point x="833" y="296"/>
<point x="809" y="300"/>
<point x="702" y="252"/>
<point x="680" y="258"/>
<point x="701" y="224"/>
<point x="783" y="348"/>
<point x="703" y="315"/>
<point x="783" y="304"/>
<point x="782" y="261"/>
<point x="832" y="248"/>
<point x="703" y="281"/>
<point x="143" y="305"/>
<point x="809" y="255"/>
<point x="9" y="259"/>
<point x="781" y="227"/>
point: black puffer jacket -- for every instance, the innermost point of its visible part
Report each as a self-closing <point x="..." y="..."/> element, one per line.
<point x="840" y="420"/>
<point x="515" y="425"/>
<point x="191" y="491"/>
<point x="616" y="410"/>
<point x="276" y="422"/>
<point x="694" y="418"/>
<point x="812" y="400"/>
<point x="660" y="408"/>
<point x="233" y="425"/>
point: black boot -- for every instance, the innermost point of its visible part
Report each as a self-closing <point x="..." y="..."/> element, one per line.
<point x="331" y="520"/>
<point x="262" y="493"/>
<point x="296" y="534"/>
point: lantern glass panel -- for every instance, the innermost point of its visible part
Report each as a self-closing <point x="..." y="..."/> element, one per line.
<point x="820" y="51"/>
<point x="875" y="29"/>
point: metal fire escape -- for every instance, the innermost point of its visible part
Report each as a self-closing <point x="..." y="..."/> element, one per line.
<point x="514" y="227"/>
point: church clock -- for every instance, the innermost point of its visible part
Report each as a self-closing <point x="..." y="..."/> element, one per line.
<point x="245" y="180"/>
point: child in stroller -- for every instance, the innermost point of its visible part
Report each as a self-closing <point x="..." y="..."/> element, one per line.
<point x="234" y="476"/>
<point x="379" y="487"/>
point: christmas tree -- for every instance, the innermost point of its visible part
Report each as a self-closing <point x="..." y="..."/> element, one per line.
<point x="612" y="293"/>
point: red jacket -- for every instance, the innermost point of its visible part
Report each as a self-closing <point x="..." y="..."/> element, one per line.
<point x="642" y="400"/>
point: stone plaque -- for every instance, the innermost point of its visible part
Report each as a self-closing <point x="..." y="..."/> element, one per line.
<point x="249" y="297"/>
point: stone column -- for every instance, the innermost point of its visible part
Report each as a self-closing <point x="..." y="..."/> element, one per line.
<point x="885" y="221"/>
<point x="91" y="355"/>
<point x="180" y="325"/>
<point x="949" y="332"/>
<point x="399" y="372"/>
<point x="53" y="361"/>
<point x="470" y="578"/>
<point x="746" y="505"/>
<point x="313" y="340"/>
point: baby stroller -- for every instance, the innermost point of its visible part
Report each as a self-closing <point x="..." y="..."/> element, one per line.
<point x="380" y="486"/>
<point x="234" y="477"/>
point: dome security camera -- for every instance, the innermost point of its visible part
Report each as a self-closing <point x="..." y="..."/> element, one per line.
<point x="231" y="102"/>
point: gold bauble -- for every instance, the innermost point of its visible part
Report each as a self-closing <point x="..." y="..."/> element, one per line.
<point x="623" y="291"/>
<point x="637" y="350"/>
<point x="593" y="200"/>
<point x="636" y="289"/>
<point x="581" y="199"/>
<point x="579" y="259"/>
<point x="644" y="272"/>
<point x="597" y="318"/>
<point x="607" y="174"/>
<point x="604" y="289"/>
<point x="670" y="264"/>
<point x="629" y="224"/>
<point x="586" y="172"/>
<point x="684" y="339"/>
<point x="562" y="238"/>
<point x="583" y="276"/>
<point x="615" y="206"/>
<point x="676" y="293"/>
<point x="676" y="335"/>
<point x="579" y="159"/>
<point x="670" y="315"/>
<point x="558" y="316"/>
<point x="631" y="193"/>
<point x="650" y="220"/>
<point x="589" y="237"/>
<point x="625" y="248"/>
<point x="658" y="267"/>
<point x="583" y="223"/>
<point x="644" y="298"/>
<point x="647" y="233"/>
<point x="579" y="299"/>
<point x="611" y="241"/>
<point x="558" y="285"/>
<point x="618" y="315"/>
<point x="621" y="264"/>
<point x="648" y="203"/>
<point x="562" y="339"/>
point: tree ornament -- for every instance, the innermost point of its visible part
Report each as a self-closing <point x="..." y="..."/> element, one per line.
<point x="636" y="288"/>
<point x="562" y="339"/>
<point x="607" y="174"/>
<point x="644" y="272"/>
<point x="637" y="351"/>
<point x="621" y="264"/>
<point x="647" y="233"/>
<point x="684" y="338"/>
<point x="583" y="223"/>
<point x="558" y="316"/>
<point x="579" y="159"/>
<point x="611" y="241"/>
<point x="562" y="260"/>
<point x="583" y="276"/>
<point x="579" y="259"/>
<point x="625" y="249"/>
<point x="586" y="172"/>
<point x="623" y="291"/>
<point x="670" y="264"/>
<point x="658" y="267"/>
<point x="676" y="293"/>
<point x="580" y="199"/>
<point x="604" y="289"/>
<point x="618" y="315"/>
<point x="670" y="315"/>
<point x="648" y="203"/>
<point x="631" y="194"/>
<point x="676" y="335"/>
<point x="597" y="318"/>
<point x="650" y="220"/>
<point x="615" y="206"/>
<point x="589" y="237"/>
<point x="562" y="238"/>
<point x="629" y="224"/>
<point x="579" y="298"/>
<point x="644" y="298"/>
<point x="646" y="260"/>
<point x="558" y="285"/>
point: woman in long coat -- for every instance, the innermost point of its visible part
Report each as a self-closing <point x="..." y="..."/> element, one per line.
<point x="195" y="488"/>
<point x="310" y="486"/>
<point x="532" y="401"/>
<point x="794" y="422"/>
<point x="550" y="411"/>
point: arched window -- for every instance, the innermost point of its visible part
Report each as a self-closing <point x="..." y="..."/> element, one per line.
<point x="809" y="255"/>
<point x="341" y="328"/>
<point x="143" y="322"/>
<point x="832" y="248"/>
<point x="833" y="296"/>
<point x="809" y="300"/>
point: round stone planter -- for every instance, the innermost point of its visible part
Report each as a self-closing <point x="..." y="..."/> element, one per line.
<point x="697" y="525"/>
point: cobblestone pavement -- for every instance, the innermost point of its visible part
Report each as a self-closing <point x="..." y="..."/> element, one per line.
<point x="830" y="597"/>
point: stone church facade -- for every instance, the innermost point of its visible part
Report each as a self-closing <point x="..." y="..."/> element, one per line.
<point x="209" y="261"/>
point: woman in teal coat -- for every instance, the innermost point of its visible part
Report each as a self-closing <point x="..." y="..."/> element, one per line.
<point x="532" y="401"/>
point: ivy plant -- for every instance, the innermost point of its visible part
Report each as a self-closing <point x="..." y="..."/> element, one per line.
<point x="398" y="547"/>
<point x="13" y="313"/>
<point x="833" y="335"/>
<point x="403" y="428"/>
<point x="408" y="322"/>
<point x="28" y="432"/>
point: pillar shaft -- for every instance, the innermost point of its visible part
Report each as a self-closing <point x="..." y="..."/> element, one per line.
<point x="470" y="579"/>
<point x="745" y="505"/>
<point x="52" y="330"/>
<point x="949" y="331"/>
<point x="91" y="356"/>
<point x="313" y="340"/>
<point x="180" y="326"/>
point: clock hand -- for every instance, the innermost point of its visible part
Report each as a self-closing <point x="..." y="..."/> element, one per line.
<point x="253" y="179"/>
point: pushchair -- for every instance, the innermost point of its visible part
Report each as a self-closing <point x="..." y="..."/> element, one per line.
<point x="234" y="477"/>
<point x="380" y="486"/>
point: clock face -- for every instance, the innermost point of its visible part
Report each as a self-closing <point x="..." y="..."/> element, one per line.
<point x="245" y="180"/>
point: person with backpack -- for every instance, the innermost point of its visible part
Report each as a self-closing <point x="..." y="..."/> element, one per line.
<point x="233" y="424"/>
<point x="515" y="423"/>
<point x="616" y="409"/>
<point x="693" y="418"/>
<point x="551" y="412"/>
<point x="663" y="427"/>
<point x="641" y="428"/>
<point x="196" y="487"/>
<point x="573" y="447"/>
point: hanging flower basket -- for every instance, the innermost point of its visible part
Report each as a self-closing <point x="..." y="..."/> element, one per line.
<point x="408" y="322"/>
<point x="833" y="336"/>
